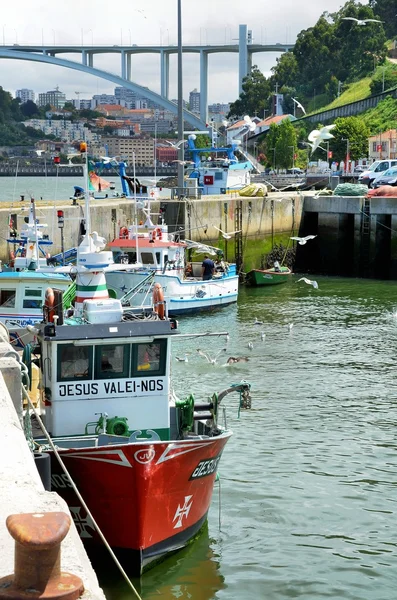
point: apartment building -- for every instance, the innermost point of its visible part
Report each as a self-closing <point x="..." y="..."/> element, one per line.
<point x="24" y="94"/>
<point x="142" y="148"/>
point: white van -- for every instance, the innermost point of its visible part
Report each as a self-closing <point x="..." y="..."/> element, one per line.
<point x="376" y="169"/>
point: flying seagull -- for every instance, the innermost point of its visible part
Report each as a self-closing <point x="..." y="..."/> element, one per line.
<point x="309" y="282"/>
<point x="250" y="123"/>
<point x="299" y="105"/>
<point x="319" y="135"/>
<point x="175" y="145"/>
<point x="361" y="21"/>
<point x="303" y="240"/>
<point x="227" y="236"/>
<point x="211" y="360"/>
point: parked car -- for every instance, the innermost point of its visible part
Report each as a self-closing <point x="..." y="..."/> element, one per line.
<point x="360" y="169"/>
<point x="295" y="171"/>
<point x="388" y="177"/>
<point x="377" y="168"/>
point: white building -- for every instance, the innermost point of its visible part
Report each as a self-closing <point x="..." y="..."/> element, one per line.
<point x="63" y="129"/>
<point x="194" y="101"/>
<point x="24" y="94"/>
<point x="54" y="98"/>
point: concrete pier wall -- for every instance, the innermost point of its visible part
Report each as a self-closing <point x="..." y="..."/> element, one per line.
<point x="21" y="487"/>
<point x="264" y="220"/>
<point x="355" y="236"/>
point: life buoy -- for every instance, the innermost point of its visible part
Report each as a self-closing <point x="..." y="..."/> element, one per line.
<point x="11" y="262"/>
<point x="159" y="233"/>
<point x="123" y="233"/>
<point x="49" y="305"/>
<point x="158" y="300"/>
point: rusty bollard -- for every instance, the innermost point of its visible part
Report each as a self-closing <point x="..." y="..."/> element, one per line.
<point x="37" y="562"/>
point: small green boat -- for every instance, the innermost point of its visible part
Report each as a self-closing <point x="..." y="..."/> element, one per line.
<point x="271" y="276"/>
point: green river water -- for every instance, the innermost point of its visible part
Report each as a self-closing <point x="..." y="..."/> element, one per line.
<point x="309" y="478"/>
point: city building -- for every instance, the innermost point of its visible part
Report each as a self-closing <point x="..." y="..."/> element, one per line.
<point x="194" y="101"/>
<point x="63" y="129"/>
<point x="99" y="99"/>
<point x="142" y="148"/>
<point x="166" y="153"/>
<point x="383" y="145"/>
<point x="24" y="94"/>
<point x="54" y="98"/>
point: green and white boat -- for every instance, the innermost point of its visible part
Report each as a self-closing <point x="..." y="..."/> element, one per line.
<point x="272" y="276"/>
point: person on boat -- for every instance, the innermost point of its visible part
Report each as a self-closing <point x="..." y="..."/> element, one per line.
<point x="189" y="270"/>
<point x="208" y="268"/>
<point x="106" y="364"/>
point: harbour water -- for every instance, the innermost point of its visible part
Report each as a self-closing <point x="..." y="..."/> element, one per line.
<point x="307" y="503"/>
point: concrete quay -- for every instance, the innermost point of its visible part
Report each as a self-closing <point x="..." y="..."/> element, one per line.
<point x="21" y="488"/>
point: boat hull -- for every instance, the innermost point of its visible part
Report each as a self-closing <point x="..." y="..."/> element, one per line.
<point x="258" y="277"/>
<point x="149" y="499"/>
<point x="181" y="295"/>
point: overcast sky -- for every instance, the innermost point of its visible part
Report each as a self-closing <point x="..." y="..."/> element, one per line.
<point x="142" y="23"/>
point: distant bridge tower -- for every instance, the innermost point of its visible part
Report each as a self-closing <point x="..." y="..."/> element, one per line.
<point x="245" y="57"/>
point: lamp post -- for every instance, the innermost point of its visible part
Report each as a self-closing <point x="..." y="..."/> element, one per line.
<point x="274" y="158"/>
<point x="181" y="151"/>
<point x="293" y="156"/>
<point x="347" y="153"/>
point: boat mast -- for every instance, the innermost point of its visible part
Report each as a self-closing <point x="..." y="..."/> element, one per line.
<point x="181" y="151"/>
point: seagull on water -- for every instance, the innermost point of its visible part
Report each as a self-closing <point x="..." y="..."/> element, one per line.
<point x="309" y="282"/>
<point x="290" y="326"/>
<point x="263" y="335"/>
<point x="361" y="21"/>
<point x="226" y="235"/>
<point x="236" y="359"/>
<point x="303" y="240"/>
<point x="250" y="345"/>
<point x="182" y="359"/>
<point x="210" y="360"/>
<point x="257" y="322"/>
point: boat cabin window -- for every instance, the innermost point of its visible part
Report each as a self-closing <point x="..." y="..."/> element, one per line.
<point x="74" y="362"/>
<point x="158" y="257"/>
<point x="32" y="299"/>
<point x="147" y="258"/>
<point x="7" y="298"/>
<point x="150" y="358"/>
<point x="112" y="361"/>
<point x="218" y="175"/>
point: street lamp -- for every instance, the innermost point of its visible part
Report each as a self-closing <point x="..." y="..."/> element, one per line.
<point x="53" y="34"/>
<point x="347" y="153"/>
<point x="274" y="158"/>
<point x="181" y="151"/>
<point x="293" y="156"/>
<point x="92" y="36"/>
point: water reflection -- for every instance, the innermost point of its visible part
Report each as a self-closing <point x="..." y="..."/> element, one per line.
<point x="193" y="573"/>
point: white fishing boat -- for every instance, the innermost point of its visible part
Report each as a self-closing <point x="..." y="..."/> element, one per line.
<point x="24" y="280"/>
<point x="163" y="260"/>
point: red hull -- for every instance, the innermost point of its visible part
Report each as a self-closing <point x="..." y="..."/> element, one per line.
<point x="149" y="498"/>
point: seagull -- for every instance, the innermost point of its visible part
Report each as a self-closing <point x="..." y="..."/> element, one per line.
<point x="250" y="123"/>
<point x="175" y="145"/>
<point x="236" y="359"/>
<point x="142" y="12"/>
<point x="99" y="242"/>
<point x="317" y="136"/>
<point x="299" y="105"/>
<point x="39" y="152"/>
<point x="227" y="236"/>
<point x="361" y="21"/>
<point x="107" y="160"/>
<point x="263" y="335"/>
<point x="225" y="123"/>
<point x="303" y="240"/>
<point x="184" y="162"/>
<point x="184" y="359"/>
<point x="290" y="326"/>
<point x="212" y="361"/>
<point x="257" y="322"/>
<point x="309" y="282"/>
<point x="250" y="345"/>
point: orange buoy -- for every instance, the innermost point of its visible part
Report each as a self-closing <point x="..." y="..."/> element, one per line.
<point x="159" y="233"/>
<point x="158" y="300"/>
<point x="49" y="305"/>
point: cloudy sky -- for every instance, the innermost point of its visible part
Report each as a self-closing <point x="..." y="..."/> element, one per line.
<point x="142" y="23"/>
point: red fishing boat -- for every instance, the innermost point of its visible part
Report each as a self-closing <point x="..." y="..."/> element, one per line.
<point x="143" y="460"/>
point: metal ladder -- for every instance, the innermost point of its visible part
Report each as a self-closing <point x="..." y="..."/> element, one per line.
<point x="238" y="238"/>
<point x="365" y="238"/>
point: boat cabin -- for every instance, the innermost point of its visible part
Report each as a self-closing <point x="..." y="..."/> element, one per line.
<point x="110" y="377"/>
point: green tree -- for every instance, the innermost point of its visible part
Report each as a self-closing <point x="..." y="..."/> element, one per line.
<point x="29" y="109"/>
<point x="286" y="144"/>
<point x="356" y="132"/>
<point x="269" y="146"/>
<point x="384" y="79"/>
<point x="286" y="72"/>
<point x="255" y="95"/>
<point x="386" y="10"/>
